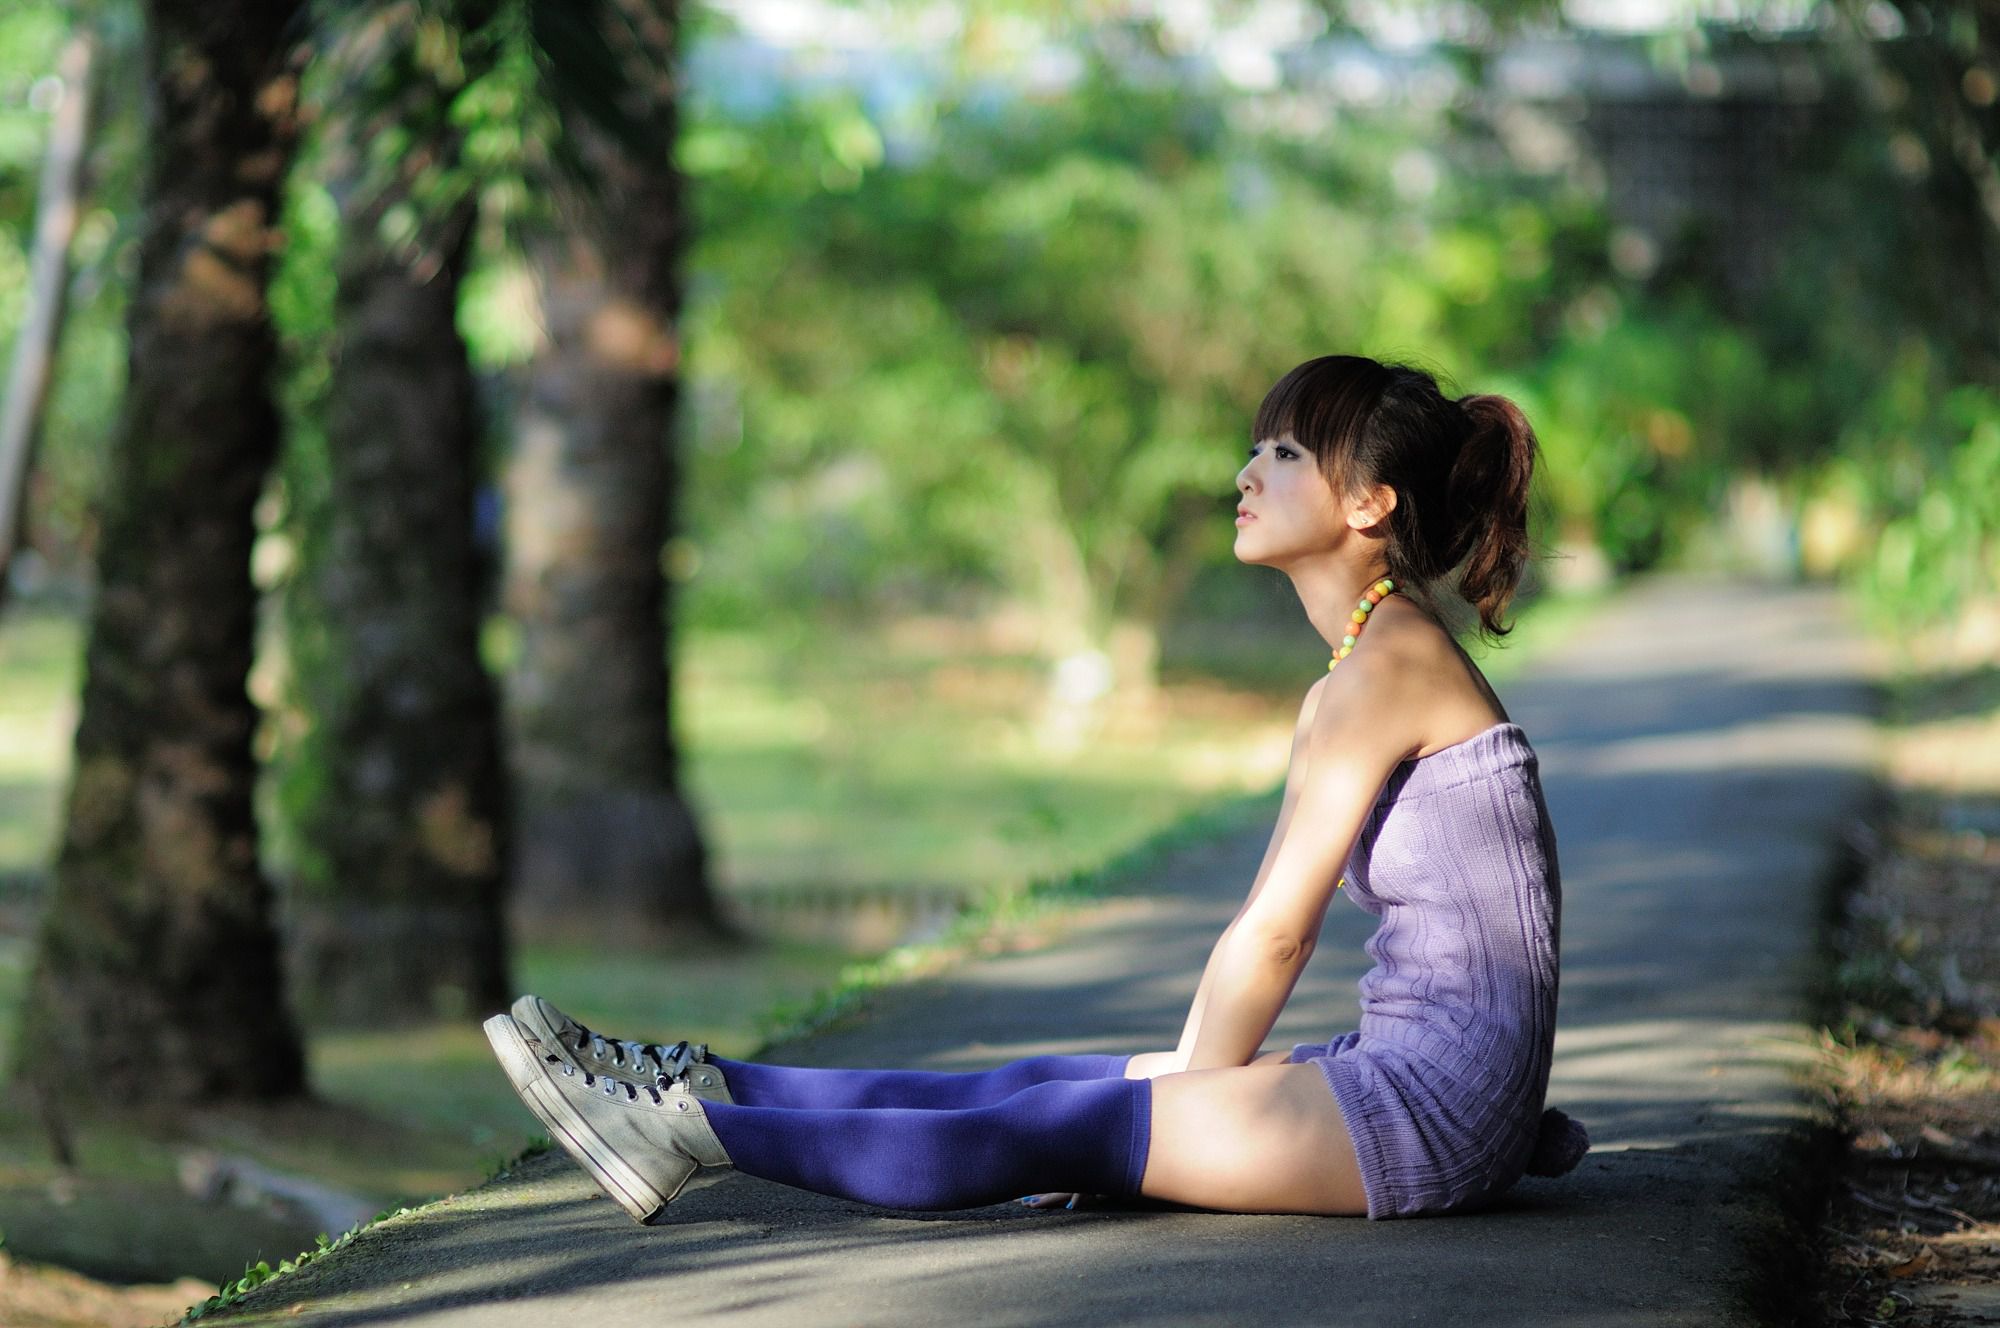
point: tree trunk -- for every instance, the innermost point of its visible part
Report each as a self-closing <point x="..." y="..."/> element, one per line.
<point x="158" y="939"/>
<point x="398" y="793"/>
<point x="33" y="365"/>
<point x="609" y="842"/>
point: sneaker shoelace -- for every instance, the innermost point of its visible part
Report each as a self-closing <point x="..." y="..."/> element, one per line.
<point x="610" y="1085"/>
<point x="663" y="1062"/>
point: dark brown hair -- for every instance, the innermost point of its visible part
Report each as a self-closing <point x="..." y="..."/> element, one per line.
<point x="1460" y="468"/>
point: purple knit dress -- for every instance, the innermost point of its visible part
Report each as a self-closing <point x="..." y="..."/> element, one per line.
<point x="1442" y="1088"/>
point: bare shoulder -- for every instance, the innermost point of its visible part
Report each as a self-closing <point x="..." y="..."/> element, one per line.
<point x="1415" y="681"/>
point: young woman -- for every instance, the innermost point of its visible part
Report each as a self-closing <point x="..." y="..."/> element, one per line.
<point x="1364" y="485"/>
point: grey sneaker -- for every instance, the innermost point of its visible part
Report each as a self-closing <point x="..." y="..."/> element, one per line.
<point x="639" y="1141"/>
<point x="621" y="1057"/>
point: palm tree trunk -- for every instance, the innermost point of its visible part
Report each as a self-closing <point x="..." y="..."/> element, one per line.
<point x="609" y="842"/>
<point x="399" y="793"/>
<point x="158" y="937"/>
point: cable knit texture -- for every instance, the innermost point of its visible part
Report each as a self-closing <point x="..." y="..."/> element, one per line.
<point x="1443" y="1085"/>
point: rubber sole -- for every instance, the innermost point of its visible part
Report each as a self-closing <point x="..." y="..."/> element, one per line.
<point x="634" y="1193"/>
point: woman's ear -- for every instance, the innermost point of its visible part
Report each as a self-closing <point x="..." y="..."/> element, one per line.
<point x="1373" y="509"/>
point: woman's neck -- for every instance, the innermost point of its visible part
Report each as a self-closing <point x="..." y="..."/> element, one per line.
<point x="1329" y="593"/>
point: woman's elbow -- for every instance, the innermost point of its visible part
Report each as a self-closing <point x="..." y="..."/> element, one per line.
<point x="1279" y="946"/>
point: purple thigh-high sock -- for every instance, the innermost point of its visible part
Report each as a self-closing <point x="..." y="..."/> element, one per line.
<point x="752" y="1084"/>
<point x="1089" y="1136"/>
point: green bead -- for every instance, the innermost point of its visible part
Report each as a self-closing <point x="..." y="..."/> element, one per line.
<point x="1347" y="640"/>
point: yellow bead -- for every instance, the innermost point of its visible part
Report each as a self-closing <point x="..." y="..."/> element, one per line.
<point x="1358" y="616"/>
<point x="1330" y="663"/>
<point x="1344" y="650"/>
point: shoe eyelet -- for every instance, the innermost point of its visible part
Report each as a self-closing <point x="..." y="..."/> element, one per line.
<point x="680" y="1106"/>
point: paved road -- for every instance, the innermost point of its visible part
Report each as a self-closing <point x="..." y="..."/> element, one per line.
<point x="1703" y="744"/>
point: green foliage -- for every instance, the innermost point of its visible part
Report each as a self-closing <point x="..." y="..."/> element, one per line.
<point x="1028" y="361"/>
<point x="261" y="1272"/>
<point x="1924" y="466"/>
<point x="302" y="303"/>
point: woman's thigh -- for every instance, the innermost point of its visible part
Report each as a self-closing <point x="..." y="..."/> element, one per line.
<point x="1258" y="1138"/>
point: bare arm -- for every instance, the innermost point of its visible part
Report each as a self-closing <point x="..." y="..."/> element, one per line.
<point x="1294" y="779"/>
<point x="1352" y="743"/>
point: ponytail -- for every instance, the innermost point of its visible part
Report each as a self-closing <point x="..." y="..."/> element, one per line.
<point x="1487" y="498"/>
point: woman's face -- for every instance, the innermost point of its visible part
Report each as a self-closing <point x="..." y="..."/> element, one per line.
<point x="1286" y="509"/>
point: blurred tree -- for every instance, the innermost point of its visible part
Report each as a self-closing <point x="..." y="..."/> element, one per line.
<point x="1935" y="73"/>
<point x="397" y="791"/>
<point x="609" y="841"/>
<point x="158" y="935"/>
<point x="33" y="364"/>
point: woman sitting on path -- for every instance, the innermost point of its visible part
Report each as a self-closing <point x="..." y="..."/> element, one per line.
<point x="1364" y="485"/>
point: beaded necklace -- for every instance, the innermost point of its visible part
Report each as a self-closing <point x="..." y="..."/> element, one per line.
<point x="1378" y="592"/>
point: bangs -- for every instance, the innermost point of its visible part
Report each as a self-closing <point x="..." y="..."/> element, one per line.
<point x="1323" y="404"/>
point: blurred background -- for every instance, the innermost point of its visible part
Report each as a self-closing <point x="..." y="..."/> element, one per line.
<point x="698" y="509"/>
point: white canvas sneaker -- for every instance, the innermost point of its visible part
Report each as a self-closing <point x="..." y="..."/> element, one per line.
<point x="640" y="1142"/>
<point x="621" y="1057"/>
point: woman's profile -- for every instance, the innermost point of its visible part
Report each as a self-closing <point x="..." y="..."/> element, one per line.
<point x="1408" y="785"/>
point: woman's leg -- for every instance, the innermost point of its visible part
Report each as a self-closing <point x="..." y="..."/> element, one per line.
<point x="1086" y="1135"/>
<point x="1262" y="1138"/>
<point x="753" y="1084"/>
<point x="1249" y="1139"/>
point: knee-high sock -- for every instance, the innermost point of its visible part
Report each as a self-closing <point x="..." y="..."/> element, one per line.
<point x="1089" y="1136"/>
<point x="752" y="1084"/>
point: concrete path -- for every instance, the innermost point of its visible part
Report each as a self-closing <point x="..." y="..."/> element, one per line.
<point x="1703" y="744"/>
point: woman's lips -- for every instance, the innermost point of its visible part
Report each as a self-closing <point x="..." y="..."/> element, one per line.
<point x="1245" y="518"/>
